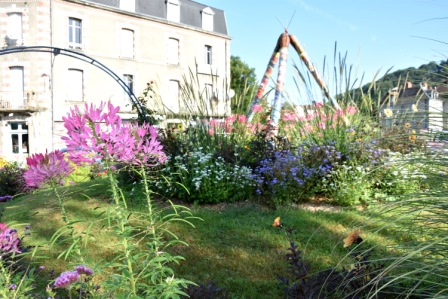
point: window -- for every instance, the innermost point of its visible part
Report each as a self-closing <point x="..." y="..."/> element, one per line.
<point x="75" y="31"/>
<point x="14" y="29"/>
<point x="173" y="10"/>
<point x="207" y="19"/>
<point x="173" y="96"/>
<point x="76" y="83"/>
<point x="173" y="51"/>
<point x="129" y="82"/>
<point x="16" y="98"/>
<point x="19" y="137"/>
<point x="127" y="43"/>
<point x="208" y="54"/>
<point x="128" y="5"/>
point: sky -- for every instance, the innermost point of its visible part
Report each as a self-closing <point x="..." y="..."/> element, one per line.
<point x="376" y="35"/>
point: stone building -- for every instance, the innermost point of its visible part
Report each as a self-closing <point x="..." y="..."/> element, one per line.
<point x="141" y="41"/>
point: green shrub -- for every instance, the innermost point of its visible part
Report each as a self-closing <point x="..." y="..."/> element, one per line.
<point x="12" y="181"/>
<point x="206" y="178"/>
<point x="348" y="185"/>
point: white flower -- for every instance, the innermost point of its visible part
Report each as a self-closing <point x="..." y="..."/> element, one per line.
<point x="388" y="112"/>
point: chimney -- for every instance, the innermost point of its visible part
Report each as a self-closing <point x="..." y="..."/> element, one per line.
<point x="408" y="84"/>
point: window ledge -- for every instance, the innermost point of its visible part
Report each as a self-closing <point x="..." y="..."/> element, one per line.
<point x="127" y="57"/>
<point x="75" y="46"/>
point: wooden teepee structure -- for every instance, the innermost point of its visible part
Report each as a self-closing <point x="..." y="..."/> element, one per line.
<point x="280" y="55"/>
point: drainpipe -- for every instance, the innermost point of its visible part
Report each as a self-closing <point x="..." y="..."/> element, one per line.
<point x="51" y="76"/>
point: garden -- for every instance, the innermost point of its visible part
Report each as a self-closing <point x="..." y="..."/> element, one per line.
<point x="336" y="205"/>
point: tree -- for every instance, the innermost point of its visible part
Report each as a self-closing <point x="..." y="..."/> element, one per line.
<point x="244" y="82"/>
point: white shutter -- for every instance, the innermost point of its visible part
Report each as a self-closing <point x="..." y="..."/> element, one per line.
<point x="76" y="90"/>
<point x="127" y="43"/>
<point x="173" y="51"/>
<point x="15" y="25"/>
<point x="173" y="96"/>
<point x="17" y="86"/>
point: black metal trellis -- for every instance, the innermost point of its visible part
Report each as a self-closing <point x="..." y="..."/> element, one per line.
<point x="80" y="56"/>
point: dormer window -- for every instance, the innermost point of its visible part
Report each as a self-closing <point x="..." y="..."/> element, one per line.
<point x="173" y="10"/>
<point x="207" y="19"/>
<point x="128" y="5"/>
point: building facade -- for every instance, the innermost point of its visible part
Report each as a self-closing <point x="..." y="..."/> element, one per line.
<point x="158" y="41"/>
<point x="421" y="106"/>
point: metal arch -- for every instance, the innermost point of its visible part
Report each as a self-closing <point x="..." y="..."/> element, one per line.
<point x="74" y="54"/>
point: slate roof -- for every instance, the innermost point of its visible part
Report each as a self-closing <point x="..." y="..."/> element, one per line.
<point x="416" y="92"/>
<point x="190" y="12"/>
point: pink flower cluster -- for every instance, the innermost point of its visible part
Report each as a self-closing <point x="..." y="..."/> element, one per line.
<point x="236" y="123"/>
<point x="47" y="168"/>
<point x="318" y="113"/>
<point x="316" y="117"/>
<point x="9" y="241"/>
<point x="94" y="135"/>
<point x="67" y="278"/>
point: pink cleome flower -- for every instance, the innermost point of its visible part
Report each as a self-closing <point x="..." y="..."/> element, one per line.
<point x="95" y="135"/>
<point x="48" y="168"/>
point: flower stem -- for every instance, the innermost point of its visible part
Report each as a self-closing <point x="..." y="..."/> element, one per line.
<point x="61" y="204"/>
<point x="121" y="224"/>
<point x="150" y="211"/>
<point x="66" y="219"/>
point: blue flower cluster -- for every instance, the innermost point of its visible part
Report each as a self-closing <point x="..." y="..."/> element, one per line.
<point x="296" y="174"/>
<point x="5" y="198"/>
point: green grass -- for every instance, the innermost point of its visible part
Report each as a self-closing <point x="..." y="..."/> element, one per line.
<point x="234" y="246"/>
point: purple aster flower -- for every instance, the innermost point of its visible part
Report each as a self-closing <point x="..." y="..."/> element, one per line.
<point x="9" y="241"/>
<point x="12" y="286"/>
<point x="82" y="269"/>
<point x="66" y="279"/>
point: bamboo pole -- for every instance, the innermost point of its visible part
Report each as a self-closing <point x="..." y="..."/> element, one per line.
<point x="280" y="86"/>
<point x="265" y="80"/>
<point x="304" y="56"/>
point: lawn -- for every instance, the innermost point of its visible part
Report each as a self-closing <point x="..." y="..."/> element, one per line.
<point x="234" y="246"/>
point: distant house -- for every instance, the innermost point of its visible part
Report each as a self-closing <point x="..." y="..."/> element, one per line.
<point x="422" y="106"/>
<point x="139" y="40"/>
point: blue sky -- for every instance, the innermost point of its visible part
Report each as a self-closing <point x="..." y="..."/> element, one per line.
<point x="376" y="34"/>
